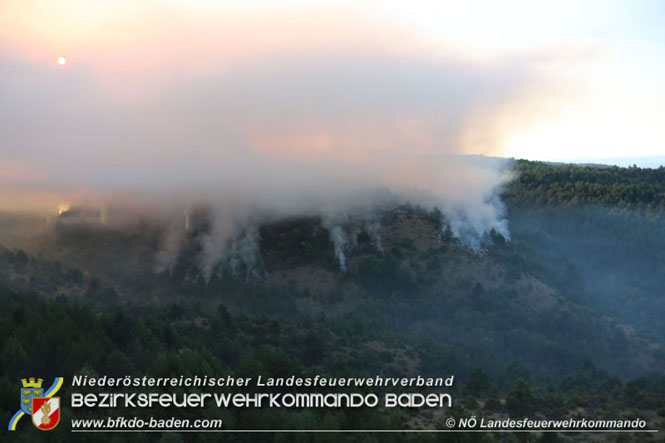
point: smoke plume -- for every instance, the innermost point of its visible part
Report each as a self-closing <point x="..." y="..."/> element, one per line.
<point x="324" y="133"/>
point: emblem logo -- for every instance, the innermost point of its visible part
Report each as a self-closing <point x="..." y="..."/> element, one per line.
<point x="44" y="408"/>
<point x="46" y="415"/>
<point x="30" y="389"/>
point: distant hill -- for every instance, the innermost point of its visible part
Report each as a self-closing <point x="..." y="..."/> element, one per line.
<point x="539" y="183"/>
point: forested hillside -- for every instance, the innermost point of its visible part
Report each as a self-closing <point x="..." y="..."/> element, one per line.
<point x="540" y="184"/>
<point x="566" y="317"/>
<point x="597" y="234"/>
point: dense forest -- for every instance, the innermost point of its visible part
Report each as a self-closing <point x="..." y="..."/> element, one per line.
<point x="597" y="234"/>
<point x="546" y="184"/>
<point x="565" y="319"/>
<point x="176" y="340"/>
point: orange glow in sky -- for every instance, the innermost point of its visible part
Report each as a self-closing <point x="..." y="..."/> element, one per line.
<point x="521" y="79"/>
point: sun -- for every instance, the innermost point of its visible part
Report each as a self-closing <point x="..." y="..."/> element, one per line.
<point x="61" y="61"/>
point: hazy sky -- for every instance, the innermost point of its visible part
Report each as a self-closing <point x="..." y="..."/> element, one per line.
<point x="167" y="91"/>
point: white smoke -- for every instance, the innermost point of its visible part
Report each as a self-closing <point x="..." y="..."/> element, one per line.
<point x="374" y="231"/>
<point x="330" y="135"/>
<point x="224" y="227"/>
<point x="344" y="228"/>
<point x="339" y="241"/>
<point x="232" y="240"/>
<point x="171" y="245"/>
